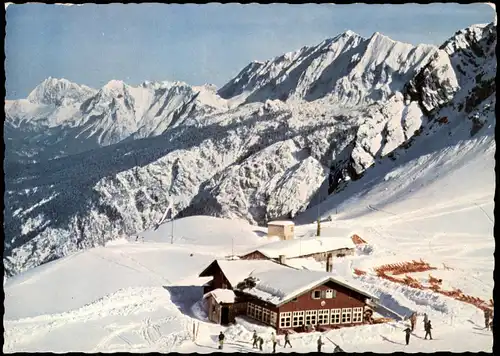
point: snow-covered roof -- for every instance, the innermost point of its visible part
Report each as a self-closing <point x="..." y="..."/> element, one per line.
<point x="280" y="286"/>
<point x="281" y="222"/>
<point x="222" y="295"/>
<point x="304" y="247"/>
<point x="237" y="270"/>
<point x="276" y="283"/>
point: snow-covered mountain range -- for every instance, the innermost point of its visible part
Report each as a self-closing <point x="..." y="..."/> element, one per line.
<point x="85" y="166"/>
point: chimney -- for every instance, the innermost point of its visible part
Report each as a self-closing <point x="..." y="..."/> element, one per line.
<point x="282" y="259"/>
<point x="329" y="262"/>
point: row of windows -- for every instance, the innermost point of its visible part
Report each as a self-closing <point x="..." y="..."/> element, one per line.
<point x="265" y="315"/>
<point x="321" y="317"/>
<point x="324" y="294"/>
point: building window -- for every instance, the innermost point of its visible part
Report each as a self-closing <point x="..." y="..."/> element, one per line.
<point x="323" y="316"/>
<point x="357" y="315"/>
<point x="310" y="317"/>
<point x="224" y="285"/>
<point x="285" y="320"/>
<point x="346" y="315"/>
<point x="330" y="293"/>
<point x="258" y="312"/>
<point x="265" y="316"/>
<point x="251" y="310"/>
<point x="273" y="318"/>
<point x="335" y="316"/>
<point x="316" y="294"/>
<point x="298" y="319"/>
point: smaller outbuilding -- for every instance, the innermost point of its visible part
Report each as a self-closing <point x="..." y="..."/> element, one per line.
<point x="219" y="305"/>
<point x="283" y="229"/>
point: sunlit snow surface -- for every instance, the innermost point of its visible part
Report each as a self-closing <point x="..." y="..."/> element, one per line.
<point x="141" y="296"/>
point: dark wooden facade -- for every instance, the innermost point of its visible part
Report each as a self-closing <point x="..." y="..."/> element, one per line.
<point x="255" y="255"/>
<point x="343" y="300"/>
<point x="218" y="281"/>
<point x="329" y="305"/>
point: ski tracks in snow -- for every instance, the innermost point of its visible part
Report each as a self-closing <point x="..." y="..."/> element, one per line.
<point x="123" y="303"/>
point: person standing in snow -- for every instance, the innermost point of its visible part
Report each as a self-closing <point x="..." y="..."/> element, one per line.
<point x="408" y="332"/>
<point x="487" y="316"/>
<point x="428" y="328"/>
<point x="320" y="343"/>
<point x="413" y="321"/>
<point x="426" y="319"/>
<point x="221" y="340"/>
<point x="273" y="340"/>
<point x="255" y="339"/>
<point x="287" y="340"/>
<point x="261" y="342"/>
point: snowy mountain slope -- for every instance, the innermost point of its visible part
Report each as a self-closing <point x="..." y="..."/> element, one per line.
<point x="464" y="62"/>
<point x="257" y="161"/>
<point x="58" y="119"/>
<point x="143" y="297"/>
<point x="59" y="92"/>
<point x="125" y="188"/>
<point x="349" y="69"/>
<point x="453" y="87"/>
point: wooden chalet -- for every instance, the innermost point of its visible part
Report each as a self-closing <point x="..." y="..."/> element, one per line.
<point x="319" y="248"/>
<point x="284" y="297"/>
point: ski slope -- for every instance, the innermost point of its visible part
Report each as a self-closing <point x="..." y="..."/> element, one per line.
<point x="142" y="296"/>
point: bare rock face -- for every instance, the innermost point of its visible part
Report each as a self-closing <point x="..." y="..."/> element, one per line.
<point x="464" y="61"/>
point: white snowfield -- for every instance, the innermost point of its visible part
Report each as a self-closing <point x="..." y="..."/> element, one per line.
<point x="144" y="296"/>
<point x="431" y="198"/>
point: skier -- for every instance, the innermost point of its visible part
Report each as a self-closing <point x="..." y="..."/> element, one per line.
<point x="320" y="343"/>
<point x="428" y="328"/>
<point x="255" y="339"/>
<point x="413" y="321"/>
<point x="408" y="332"/>
<point x="221" y="340"/>
<point x="273" y="339"/>
<point x="287" y="340"/>
<point x="261" y="342"/>
<point x="426" y="319"/>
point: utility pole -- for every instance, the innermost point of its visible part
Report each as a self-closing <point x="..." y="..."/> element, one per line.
<point x="300" y="245"/>
<point x="172" y="230"/>
<point x="318" y="229"/>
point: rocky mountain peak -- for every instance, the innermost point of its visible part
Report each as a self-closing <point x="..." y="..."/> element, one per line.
<point x="54" y="91"/>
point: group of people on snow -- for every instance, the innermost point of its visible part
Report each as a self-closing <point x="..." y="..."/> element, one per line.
<point x="413" y="322"/>
<point x="258" y="342"/>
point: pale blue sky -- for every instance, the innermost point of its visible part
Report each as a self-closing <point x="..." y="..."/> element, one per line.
<point x="92" y="44"/>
